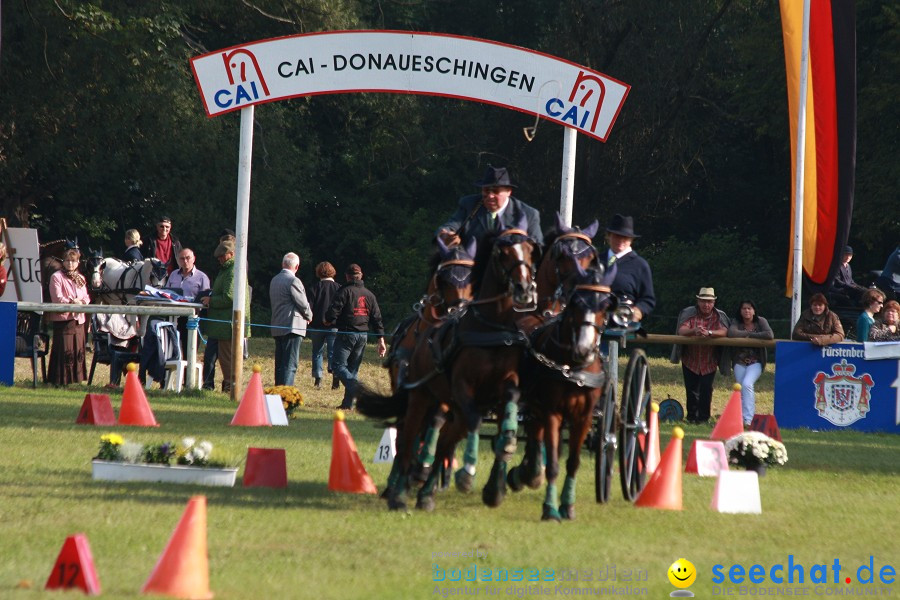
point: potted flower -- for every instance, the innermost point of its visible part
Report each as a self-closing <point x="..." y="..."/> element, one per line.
<point x="291" y="398"/>
<point x="121" y="460"/>
<point x="755" y="451"/>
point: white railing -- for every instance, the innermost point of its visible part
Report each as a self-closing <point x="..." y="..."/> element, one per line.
<point x="166" y="310"/>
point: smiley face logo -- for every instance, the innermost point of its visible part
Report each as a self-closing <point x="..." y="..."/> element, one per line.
<point x="682" y="573"/>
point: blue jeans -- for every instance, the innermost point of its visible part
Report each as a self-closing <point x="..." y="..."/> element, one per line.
<point x="287" y="356"/>
<point x="747" y="375"/>
<point x="320" y="341"/>
<point x="348" y="354"/>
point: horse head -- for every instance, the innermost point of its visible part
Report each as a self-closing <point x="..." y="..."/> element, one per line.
<point x="584" y="317"/>
<point x="95" y="264"/>
<point x="451" y="284"/>
<point x="572" y="245"/>
<point x="513" y="262"/>
<point x="158" y="271"/>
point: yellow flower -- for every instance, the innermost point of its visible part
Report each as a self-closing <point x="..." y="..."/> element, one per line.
<point x="113" y="438"/>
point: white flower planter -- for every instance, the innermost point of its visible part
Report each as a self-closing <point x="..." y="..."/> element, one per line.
<point x="117" y="471"/>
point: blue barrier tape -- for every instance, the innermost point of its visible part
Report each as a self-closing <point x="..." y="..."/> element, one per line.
<point x="308" y="329"/>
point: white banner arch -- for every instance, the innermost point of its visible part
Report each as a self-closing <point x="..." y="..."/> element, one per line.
<point x="410" y="63"/>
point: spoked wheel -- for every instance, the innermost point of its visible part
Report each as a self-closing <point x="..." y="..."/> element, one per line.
<point x="605" y="444"/>
<point x="635" y="414"/>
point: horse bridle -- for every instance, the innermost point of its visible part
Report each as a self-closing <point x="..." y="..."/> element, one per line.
<point x="434" y="300"/>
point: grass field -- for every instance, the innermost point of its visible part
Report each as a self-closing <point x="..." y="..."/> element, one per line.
<point x="837" y="498"/>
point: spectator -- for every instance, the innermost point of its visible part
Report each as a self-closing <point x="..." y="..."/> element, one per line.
<point x="845" y="291"/>
<point x="188" y="278"/>
<point x="889" y="279"/>
<point x="211" y="351"/>
<point x="220" y="303"/>
<point x="355" y="311"/>
<point x="132" y="246"/>
<point x="493" y="210"/>
<point x="818" y="324"/>
<point x="633" y="278"/>
<point x="699" y="362"/>
<point x="872" y="302"/>
<point x="164" y="245"/>
<point x="321" y="293"/>
<point x="68" y="286"/>
<point x="749" y="363"/>
<point x="3" y="275"/>
<point x="887" y="330"/>
<point x="290" y="313"/>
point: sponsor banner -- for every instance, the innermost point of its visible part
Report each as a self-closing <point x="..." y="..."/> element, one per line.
<point x="24" y="252"/>
<point x="835" y="387"/>
<point x="410" y="63"/>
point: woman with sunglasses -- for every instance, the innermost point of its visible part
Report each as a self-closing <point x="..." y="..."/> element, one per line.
<point x="872" y="302"/>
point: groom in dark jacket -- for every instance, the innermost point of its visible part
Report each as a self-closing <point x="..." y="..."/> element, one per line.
<point x="494" y="209"/>
<point x="633" y="278"/>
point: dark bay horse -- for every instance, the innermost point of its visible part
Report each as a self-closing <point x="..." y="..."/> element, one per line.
<point x="449" y="289"/>
<point x="468" y="365"/>
<point x="563" y="378"/>
<point x="568" y="247"/>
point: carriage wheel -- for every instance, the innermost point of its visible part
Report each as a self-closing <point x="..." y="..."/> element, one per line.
<point x="605" y="444"/>
<point x="635" y="413"/>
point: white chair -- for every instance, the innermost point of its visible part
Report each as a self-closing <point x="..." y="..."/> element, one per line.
<point x="170" y="346"/>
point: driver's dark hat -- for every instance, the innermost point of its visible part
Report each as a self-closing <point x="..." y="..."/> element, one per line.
<point x="622" y="225"/>
<point x="495" y="176"/>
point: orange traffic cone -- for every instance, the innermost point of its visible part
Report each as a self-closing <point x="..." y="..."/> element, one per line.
<point x="252" y="409"/>
<point x="664" y="488"/>
<point x="653" y="439"/>
<point x="730" y="422"/>
<point x="183" y="569"/>
<point x="347" y="472"/>
<point x="135" y="408"/>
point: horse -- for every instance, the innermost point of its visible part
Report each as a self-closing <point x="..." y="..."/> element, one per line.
<point x="566" y="248"/>
<point x="563" y="378"/>
<point x="115" y="282"/>
<point x="469" y="365"/>
<point x="449" y="288"/>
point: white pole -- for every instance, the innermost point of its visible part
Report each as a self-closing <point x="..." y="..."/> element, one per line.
<point x="800" y="172"/>
<point x="245" y="159"/>
<point x="567" y="191"/>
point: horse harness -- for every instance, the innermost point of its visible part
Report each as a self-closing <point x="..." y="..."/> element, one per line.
<point x="544" y="335"/>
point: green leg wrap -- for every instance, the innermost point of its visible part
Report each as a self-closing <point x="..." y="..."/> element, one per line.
<point x="550" y="499"/>
<point x="470" y="456"/>
<point x="426" y="454"/>
<point x="510" y="417"/>
<point x="568" y="492"/>
<point x="394" y="474"/>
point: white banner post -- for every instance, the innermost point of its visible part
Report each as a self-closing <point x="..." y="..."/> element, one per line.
<point x="567" y="186"/>
<point x="245" y="160"/>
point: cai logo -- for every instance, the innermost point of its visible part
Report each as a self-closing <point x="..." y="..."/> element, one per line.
<point x="245" y="79"/>
<point x="682" y="574"/>
<point x="582" y="108"/>
<point x="841" y="398"/>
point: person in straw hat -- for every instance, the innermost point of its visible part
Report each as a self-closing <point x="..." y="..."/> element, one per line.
<point x="699" y="362"/>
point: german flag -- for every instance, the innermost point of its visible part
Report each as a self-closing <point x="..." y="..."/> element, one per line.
<point x="830" y="161"/>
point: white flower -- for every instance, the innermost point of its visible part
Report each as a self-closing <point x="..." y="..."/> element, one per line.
<point x="188" y="442"/>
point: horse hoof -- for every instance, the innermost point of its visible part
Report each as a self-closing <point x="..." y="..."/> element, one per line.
<point x="494" y="491"/>
<point x="550" y="514"/>
<point x="396" y="504"/>
<point x="464" y="481"/>
<point x="537" y="481"/>
<point x="513" y="481"/>
<point x="567" y="511"/>
<point x="425" y="503"/>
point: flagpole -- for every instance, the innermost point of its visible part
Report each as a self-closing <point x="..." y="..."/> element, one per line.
<point x="799" y="174"/>
<point x="567" y="191"/>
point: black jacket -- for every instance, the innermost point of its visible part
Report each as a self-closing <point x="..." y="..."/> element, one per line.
<point x="320" y="295"/>
<point x="355" y="309"/>
<point x="176" y="248"/>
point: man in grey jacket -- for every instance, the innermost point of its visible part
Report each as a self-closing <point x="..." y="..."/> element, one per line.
<point x="290" y="314"/>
